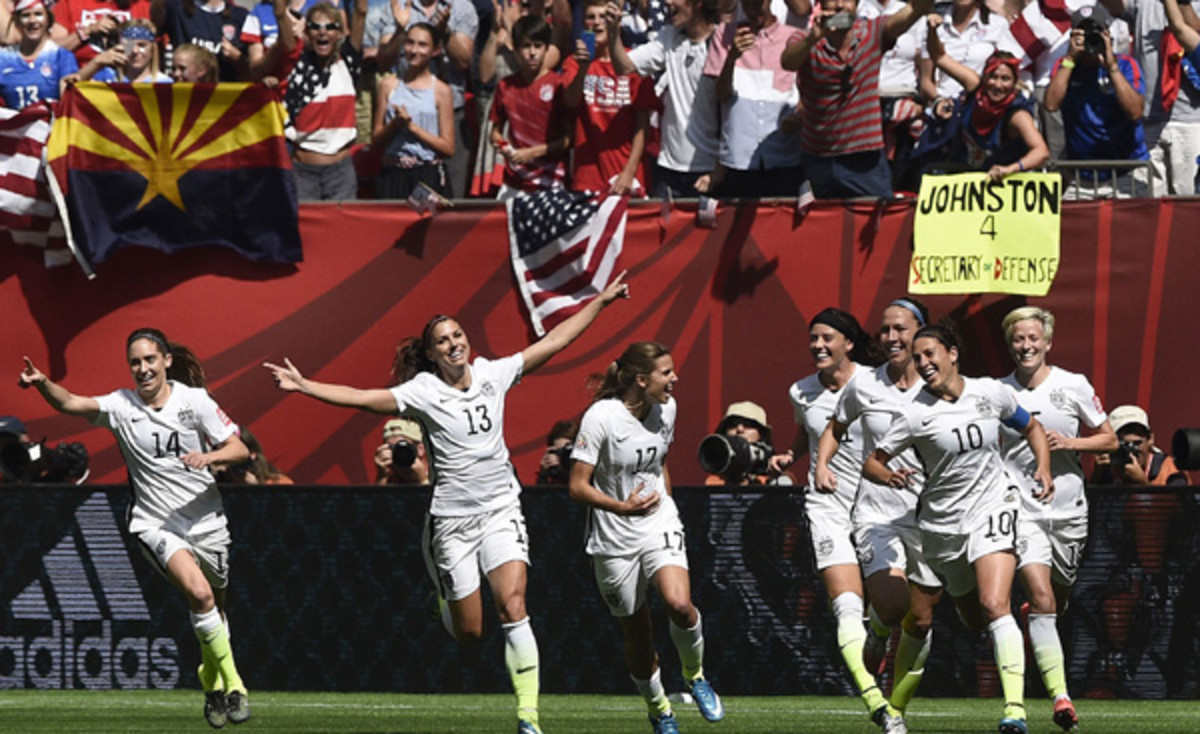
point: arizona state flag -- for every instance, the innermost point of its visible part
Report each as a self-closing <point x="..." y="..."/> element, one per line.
<point x="170" y="166"/>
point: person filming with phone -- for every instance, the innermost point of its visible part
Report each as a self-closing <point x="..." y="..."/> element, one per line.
<point x="837" y="61"/>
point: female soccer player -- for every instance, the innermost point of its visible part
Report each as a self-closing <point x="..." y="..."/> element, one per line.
<point x="839" y="346"/>
<point x="902" y="588"/>
<point x="968" y="504"/>
<point x="634" y="534"/>
<point x="475" y="521"/>
<point x="1050" y="538"/>
<point x="163" y="428"/>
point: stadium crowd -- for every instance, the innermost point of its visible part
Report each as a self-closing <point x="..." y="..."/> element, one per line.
<point x="745" y="98"/>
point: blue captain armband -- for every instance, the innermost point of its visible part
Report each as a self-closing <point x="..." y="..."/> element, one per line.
<point x="1018" y="420"/>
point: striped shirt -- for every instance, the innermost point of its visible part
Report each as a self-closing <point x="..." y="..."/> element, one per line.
<point x="1040" y="35"/>
<point x="536" y="115"/>
<point x="841" y="93"/>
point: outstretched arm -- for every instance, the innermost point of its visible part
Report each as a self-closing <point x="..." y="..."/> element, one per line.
<point x="557" y="339"/>
<point x="59" y="397"/>
<point x="289" y="379"/>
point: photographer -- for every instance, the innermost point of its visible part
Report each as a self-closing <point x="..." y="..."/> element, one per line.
<point x="24" y="461"/>
<point x="1100" y="95"/>
<point x="555" y="467"/>
<point x="745" y="423"/>
<point x="1137" y="461"/>
<point x="401" y="459"/>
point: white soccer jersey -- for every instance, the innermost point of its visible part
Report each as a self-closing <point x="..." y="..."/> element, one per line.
<point x="1061" y="402"/>
<point x="958" y="443"/>
<point x="464" y="433"/>
<point x="875" y="399"/>
<point x="813" y="406"/>
<point x="152" y="442"/>
<point x="627" y="453"/>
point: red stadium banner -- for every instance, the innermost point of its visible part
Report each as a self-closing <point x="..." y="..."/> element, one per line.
<point x="732" y="304"/>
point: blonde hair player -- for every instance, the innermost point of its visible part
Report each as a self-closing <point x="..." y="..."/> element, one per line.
<point x="1051" y="538"/>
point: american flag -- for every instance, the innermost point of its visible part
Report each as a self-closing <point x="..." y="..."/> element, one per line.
<point x="565" y="246"/>
<point x="27" y="213"/>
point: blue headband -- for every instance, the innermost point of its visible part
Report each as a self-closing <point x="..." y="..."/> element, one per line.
<point x="909" y="306"/>
<point x="137" y="33"/>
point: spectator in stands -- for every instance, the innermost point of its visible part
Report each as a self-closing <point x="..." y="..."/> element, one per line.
<point x="900" y="105"/>
<point x="1100" y="95"/>
<point x="612" y="112"/>
<point x="970" y="33"/>
<point x="86" y="27"/>
<point x="215" y="25"/>
<point x="1137" y="461"/>
<point x="401" y="458"/>
<point x="838" y="63"/>
<point x="320" y="100"/>
<point x="748" y="420"/>
<point x="530" y="106"/>
<point x="254" y="470"/>
<point x="688" y="127"/>
<point x="1171" y="67"/>
<point x="1039" y="37"/>
<point x="31" y="70"/>
<point x="992" y="127"/>
<point x="195" y="64"/>
<point x="134" y="59"/>
<point x="457" y="24"/>
<point x="15" y="448"/>
<point x="414" y="119"/>
<point x="555" y="466"/>
<point x="758" y="154"/>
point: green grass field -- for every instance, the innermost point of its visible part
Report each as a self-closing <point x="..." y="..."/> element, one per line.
<point x="63" y="712"/>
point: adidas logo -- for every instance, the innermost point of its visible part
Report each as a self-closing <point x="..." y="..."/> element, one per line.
<point x="61" y="633"/>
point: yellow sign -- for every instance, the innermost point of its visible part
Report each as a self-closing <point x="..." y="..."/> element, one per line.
<point x="973" y="235"/>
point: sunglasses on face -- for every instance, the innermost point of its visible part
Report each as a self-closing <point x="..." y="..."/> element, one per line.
<point x="330" y="26"/>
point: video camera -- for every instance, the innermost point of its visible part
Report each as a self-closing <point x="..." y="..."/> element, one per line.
<point x="733" y="457"/>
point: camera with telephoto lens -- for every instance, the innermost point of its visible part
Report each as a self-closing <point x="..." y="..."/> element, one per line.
<point x="404" y="453"/>
<point x="556" y="473"/>
<point x="1093" y="37"/>
<point x="839" y="21"/>
<point x="733" y="457"/>
<point x="1126" y="452"/>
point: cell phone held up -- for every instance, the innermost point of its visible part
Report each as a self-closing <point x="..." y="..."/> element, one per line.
<point x="838" y="22"/>
<point x="589" y="40"/>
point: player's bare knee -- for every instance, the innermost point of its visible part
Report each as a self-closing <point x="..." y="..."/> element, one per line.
<point x="512" y="609"/>
<point x="1043" y="602"/>
<point x="682" y="613"/>
<point x="199" y="596"/>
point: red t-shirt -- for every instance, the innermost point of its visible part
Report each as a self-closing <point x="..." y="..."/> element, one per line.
<point x="71" y="14"/>
<point x="604" y="123"/>
<point x="535" y="114"/>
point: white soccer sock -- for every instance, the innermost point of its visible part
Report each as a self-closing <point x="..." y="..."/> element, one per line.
<point x="690" y="645"/>
<point x="652" y="691"/>
<point x="206" y="624"/>
<point x="851" y="635"/>
<point x="911" y="654"/>
<point x="1047" y="650"/>
<point x="1009" y="650"/>
<point x="521" y="659"/>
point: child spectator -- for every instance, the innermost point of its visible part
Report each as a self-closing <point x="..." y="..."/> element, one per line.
<point x="320" y="101"/>
<point x="191" y="63"/>
<point x="689" y="127"/>
<point x="215" y="25"/>
<point x="530" y="102"/>
<point x="134" y="59"/>
<point x="414" y="119"/>
<point x="758" y="103"/>
<point x="613" y="112"/>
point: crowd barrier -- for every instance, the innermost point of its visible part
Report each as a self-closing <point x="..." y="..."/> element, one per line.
<point x="329" y="593"/>
<point x="730" y="302"/>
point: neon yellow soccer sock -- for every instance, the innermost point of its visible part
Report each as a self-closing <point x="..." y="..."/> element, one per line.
<point x="851" y="634"/>
<point x="1009" y="649"/>
<point x="1047" y="650"/>
<point x="207" y="672"/>
<point x="911" y="654"/>
<point x="521" y="659"/>
<point x="690" y="645"/>
<point x="211" y="632"/>
<point x="652" y="691"/>
<point x="877" y="625"/>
